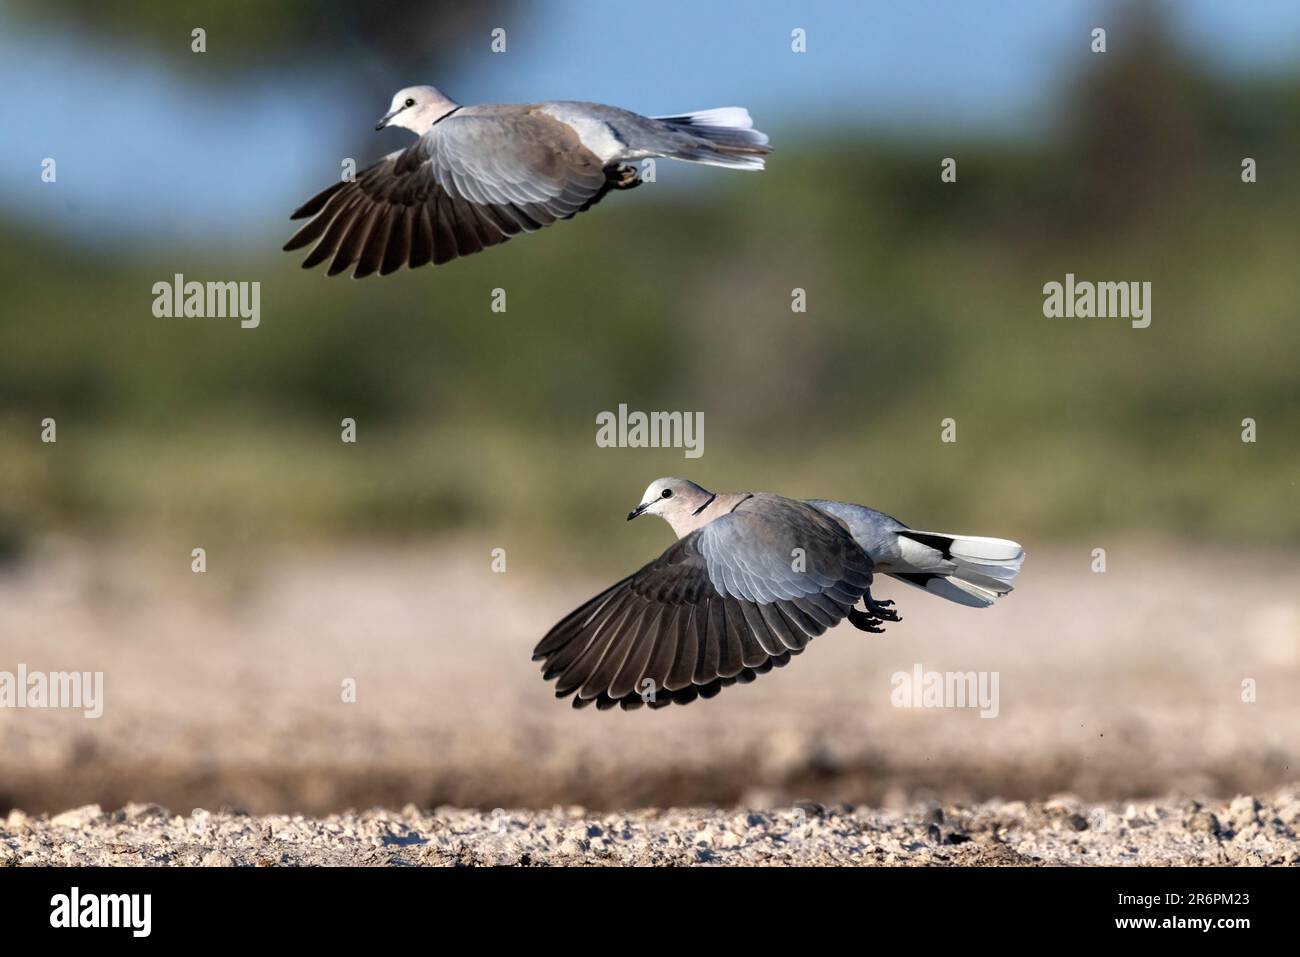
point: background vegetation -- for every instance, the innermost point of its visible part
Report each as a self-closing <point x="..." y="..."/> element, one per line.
<point x="924" y="302"/>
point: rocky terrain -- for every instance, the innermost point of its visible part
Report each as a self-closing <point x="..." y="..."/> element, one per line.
<point x="1244" y="831"/>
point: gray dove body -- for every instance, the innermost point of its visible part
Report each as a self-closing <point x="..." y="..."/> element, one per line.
<point x="752" y="578"/>
<point x="479" y="175"/>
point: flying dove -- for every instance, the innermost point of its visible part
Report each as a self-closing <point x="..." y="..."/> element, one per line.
<point x="751" y="579"/>
<point x="478" y="175"/>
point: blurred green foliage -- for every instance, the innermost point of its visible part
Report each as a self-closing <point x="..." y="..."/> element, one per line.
<point x="312" y="32"/>
<point x="925" y="302"/>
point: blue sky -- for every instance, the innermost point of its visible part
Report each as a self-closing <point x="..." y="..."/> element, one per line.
<point x="144" y="152"/>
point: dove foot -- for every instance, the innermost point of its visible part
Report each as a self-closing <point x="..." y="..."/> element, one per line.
<point x="881" y="609"/>
<point x="624" y="176"/>
<point x="863" y="621"/>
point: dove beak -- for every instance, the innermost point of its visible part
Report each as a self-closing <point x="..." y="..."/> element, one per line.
<point x="637" y="511"/>
<point x="384" y="120"/>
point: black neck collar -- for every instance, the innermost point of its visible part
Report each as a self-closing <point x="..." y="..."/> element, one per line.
<point x="712" y="496"/>
<point x="445" y="115"/>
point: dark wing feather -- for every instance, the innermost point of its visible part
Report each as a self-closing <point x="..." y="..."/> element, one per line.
<point x="722" y="605"/>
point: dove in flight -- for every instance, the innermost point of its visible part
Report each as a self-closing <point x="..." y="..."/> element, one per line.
<point x="478" y="175"/>
<point x="752" y="578"/>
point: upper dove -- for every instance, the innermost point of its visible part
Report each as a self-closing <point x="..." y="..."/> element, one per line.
<point x="478" y="175"/>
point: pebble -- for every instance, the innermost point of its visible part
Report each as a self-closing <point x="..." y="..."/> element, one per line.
<point x="78" y="817"/>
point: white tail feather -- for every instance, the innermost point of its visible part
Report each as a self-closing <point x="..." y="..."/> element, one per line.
<point x="729" y="162"/>
<point x="956" y="590"/>
<point x="724" y="136"/>
<point x="733" y="117"/>
<point x="996" y="551"/>
<point x="984" y="567"/>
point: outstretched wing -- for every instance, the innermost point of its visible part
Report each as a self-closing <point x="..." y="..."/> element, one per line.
<point x="473" y="181"/>
<point x="724" y="604"/>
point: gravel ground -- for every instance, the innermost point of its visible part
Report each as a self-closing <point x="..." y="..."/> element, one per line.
<point x="1243" y="831"/>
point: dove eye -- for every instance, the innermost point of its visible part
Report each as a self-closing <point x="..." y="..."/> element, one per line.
<point x="410" y="102"/>
<point x="667" y="493"/>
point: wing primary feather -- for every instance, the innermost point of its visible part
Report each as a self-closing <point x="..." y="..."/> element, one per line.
<point x="317" y="202"/>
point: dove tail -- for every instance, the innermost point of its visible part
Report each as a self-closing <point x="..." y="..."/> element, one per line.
<point x="984" y="567"/>
<point x="720" y="137"/>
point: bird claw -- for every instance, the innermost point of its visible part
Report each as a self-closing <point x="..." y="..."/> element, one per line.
<point x="627" y="177"/>
<point x="863" y="621"/>
<point x="881" y="609"/>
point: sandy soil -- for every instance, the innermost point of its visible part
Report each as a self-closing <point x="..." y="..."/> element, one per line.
<point x="1245" y="831"/>
<point x="224" y="689"/>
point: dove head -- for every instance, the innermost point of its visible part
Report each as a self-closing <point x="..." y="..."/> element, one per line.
<point x="677" y="501"/>
<point x="416" y="108"/>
